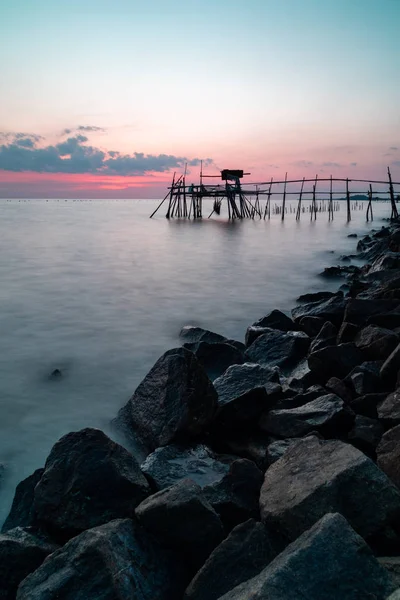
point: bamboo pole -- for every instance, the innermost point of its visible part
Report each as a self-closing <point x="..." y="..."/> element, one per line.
<point x="284" y="199"/>
<point x="300" y="198"/>
<point x="394" y="214"/>
<point x="348" y="201"/>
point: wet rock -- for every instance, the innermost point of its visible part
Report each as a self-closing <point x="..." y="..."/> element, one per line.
<point x="253" y="447"/>
<point x="327" y="414"/>
<point x="311" y="325"/>
<point x="317" y="296"/>
<point x="388" y="260"/>
<point x="116" y="560"/>
<point x="315" y="477"/>
<point x="182" y="518"/>
<point x="390" y="319"/>
<point x="192" y="335"/>
<point x="21" y="553"/>
<point x="347" y="333"/>
<point x="345" y="258"/>
<point x="376" y="343"/>
<point x="388" y="453"/>
<point x="326" y="337"/>
<point x="389" y="409"/>
<point x="216" y="357"/>
<point x="367" y="405"/>
<point x="244" y="391"/>
<point x="352" y="235"/>
<point x="392" y="565"/>
<point x="391" y="366"/>
<point x="328" y="562"/>
<point x="300" y="377"/>
<point x="22" y="512"/>
<point x="311" y="393"/>
<point x="334" y="361"/>
<point x="55" y="375"/>
<point x="329" y="310"/>
<point x="364" y="379"/>
<point x="278" y="448"/>
<point x="366" y="434"/>
<point x="339" y="271"/>
<point x="359" y="311"/>
<point x="242" y="555"/>
<point x="175" y="401"/>
<point x="395" y="595"/>
<point x="339" y="387"/>
<point x="88" y="480"/>
<point x="253" y="332"/>
<point x="170" y="464"/>
<point x="280" y="349"/>
<point x="276" y="320"/>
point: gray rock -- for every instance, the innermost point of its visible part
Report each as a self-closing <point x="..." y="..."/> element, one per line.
<point x="388" y="260"/>
<point x="364" y="379"/>
<point x="22" y="513"/>
<point x="326" y="337"/>
<point x="367" y="405"/>
<point x="192" y="334"/>
<point x="253" y="447"/>
<point x="311" y="325"/>
<point x="392" y="566"/>
<point x="279" y="349"/>
<point x="317" y="297"/>
<point x="347" y="333"/>
<point x="366" y="434"/>
<point x="389" y="409"/>
<point x="388" y="453"/>
<point x="376" y="343"/>
<point x="329" y="310"/>
<point x="315" y="477"/>
<point x="391" y="366"/>
<point x="395" y="595"/>
<point x="276" y="320"/>
<point x="340" y="388"/>
<point x="334" y="361"/>
<point x="359" y="310"/>
<point x="216" y="357"/>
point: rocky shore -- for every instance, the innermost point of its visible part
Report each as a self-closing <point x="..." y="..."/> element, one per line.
<point x="272" y="467"/>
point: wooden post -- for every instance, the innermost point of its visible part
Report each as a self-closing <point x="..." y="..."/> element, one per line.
<point x="348" y="201"/>
<point x="268" y="204"/>
<point x="369" y="208"/>
<point x="314" y="202"/>
<point x="299" y="204"/>
<point x="284" y="198"/>
<point x="394" y="214"/>
<point x="330" y="208"/>
<point x="170" y="198"/>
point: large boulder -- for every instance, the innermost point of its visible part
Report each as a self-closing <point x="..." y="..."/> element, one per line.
<point x="359" y="310"/>
<point x="387" y="261"/>
<point x="334" y="361"/>
<point x="279" y="349"/>
<point x="317" y="297"/>
<point x="364" y="379"/>
<point x="367" y="405"/>
<point x="326" y="337"/>
<point x="241" y="556"/>
<point x="391" y="366"/>
<point x="22" y="512"/>
<point x="317" y="476"/>
<point x="366" y="434"/>
<point x="190" y="334"/>
<point x="21" y="553"/>
<point x="328" y="562"/>
<point x="311" y="325"/>
<point x="327" y="414"/>
<point x="389" y="409"/>
<point x="376" y="343"/>
<point x="388" y="453"/>
<point x="276" y="319"/>
<point x="347" y="333"/>
<point x="252" y="446"/>
<point x="88" y="480"/>
<point x="331" y="310"/>
<point x="216" y="357"/>
<point x="175" y="401"/>
<point x="183" y="518"/>
<point x="116" y="560"/>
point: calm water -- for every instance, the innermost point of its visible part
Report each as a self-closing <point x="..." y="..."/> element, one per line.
<point x="100" y="291"/>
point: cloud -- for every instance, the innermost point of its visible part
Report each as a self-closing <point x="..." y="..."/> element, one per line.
<point x="84" y="128"/>
<point x="331" y="164"/>
<point x="393" y="148"/>
<point x="353" y="164"/>
<point x="303" y="163"/>
<point x="396" y="163"/>
<point x="21" y="152"/>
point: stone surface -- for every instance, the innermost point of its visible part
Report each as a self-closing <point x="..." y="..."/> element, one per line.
<point x="117" y="560"/>
<point x="176" y="401"/>
<point x="339" y="387"/>
<point x="88" y="480"/>
<point x="311" y="325"/>
<point x="366" y="434"/>
<point x="388" y="453"/>
<point x="276" y="320"/>
<point x="252" y="446"/>
<point x="215" y="357"/>
<point x="316" y="297"/>
<point x="388" y="260"/>
<point x="359" y="310"/>
<point x="22" y="512"/>
<point x="280" y="349"/>
<point x="376" y="343"/>
<point x="367" y="405"/>
<point x="334" y="361"/>
<point x="326" y="337"/>
<point x="392" y="566"/>
<point x="328" y="562"/>
<point x="347" y="333"/>
<point x="364" y="379"/>
<point x="315" y="477"/>
<point x="389" y="409"/>
<point x="182" y="517"/>
<point x="391" y="366"/>
<point x="191" y="334"/>
<point x="329" y="310"/>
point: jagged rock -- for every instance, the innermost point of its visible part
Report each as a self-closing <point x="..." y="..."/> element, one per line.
<point x="215" y="357"/>
<point x="326" y="337"/>
<point x="311" y="325"/>
<point x="367" y="405"/>
<point x="280" y="349"/>
<point x="395" y="595"/>
<point x="347" y="333"/>
<point x="191" y="334"/>
<point x="352" y="235"/>
<point x="317" y="476"/>
<point x="175" y="401"/>
<point x="328" y="562"/>
<point x="22" y="513"/>
<point x="376" y="343"/>
<point x="339" y="271"/>
<point x="55" y="375"/>
<point x="359" y="311"/>
<point x="388" y="453"/>
<point x="116" y="560"/>
<point x="389" y="409"/>
<point x="334" y="361"/>
<point x="276" y="320"/>
<point x="244" y="391"/>
<point x="253" y="447"/>
<point x="311" y="393"/>
<point x="168" y="465"/>
<point x="242" y="555"/>
<point x="364" y="379"/>
<point x="366" y="434"/>
<point x="278" y="448"/>
<point x="388" y="260"/>
<point x="392" y="566"/>
<point x="327" y="414"/>
<point x="182" y="518"/>
<point x="300" y="377"/>
<point x="339" y="387"/>
<point x="88" y="480"/>
<point x="329" y="310"/>
<point x="390" y="319"/>
<point x="345" y="258"/>
<point x="21" y="553"/>
<point x="391" y="366"/>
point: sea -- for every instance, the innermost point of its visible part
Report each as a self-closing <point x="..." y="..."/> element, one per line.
<point x="98" y="290"/>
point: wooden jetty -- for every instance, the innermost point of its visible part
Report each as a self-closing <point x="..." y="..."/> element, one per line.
<point x="254" y="200"/>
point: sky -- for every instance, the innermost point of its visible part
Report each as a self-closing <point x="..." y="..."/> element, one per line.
<point x="108" y="98"/>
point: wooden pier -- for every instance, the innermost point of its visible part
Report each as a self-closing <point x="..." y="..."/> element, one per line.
<point x="254" y="200"/>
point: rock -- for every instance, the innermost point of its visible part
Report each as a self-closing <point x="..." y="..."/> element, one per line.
<point x="88" y="480"/>
<point x="388" y="453"/>
<point x="280" y="349"/>
<point x="276" y="320"/>
<point x="328" y="562"/>
<point x="317" y="296"/>
<point x="389" y="409"/>
<point x="334" y="361"/>
<point x="317" y="476"/>
<point x="175" y="401"/>
<point x="170" y="464"/>
<point x="388" y="260"/>
<point x="376" y="343"/>
<point x="311" y="325"/>
<point x="366" y="434"/>
<point x="253" y="332"/>
<point x="339" y="271"/>
<point x="345" y="258"/>
<point x="327" y="414"/>
<point x="329" y="310"/>
<point x="55" y="375"/>
<point x="192" y="335"/>
<point x="182" y="518"/>
<point x="300" y="377"/>
<point x="278" y="448"/>
<point x="392" y="566"/>
<point x="391" y="366"/>
<point x="235" y="497"/>
<point x="215" y="357"/>
<point x="367" y="405"/>
<point x="311" y="393"/>
<point x="359" y="311"/>
<point x="339" y="387"/>
<point x="347" y="333"/>
<point x="364" y="379"/>
<point x="241" y="556"/>
<point x="390" y="319"/>
<point x="395" y="595"/>
<point x="253" y="447"/>
<point x="22" y="512"/>
<point x="352" y="235"/>
<point x="244" y="391"/>
<point x="116" y="560"/>
<point x="326" y="337"/>
<point x="21" y="553"/>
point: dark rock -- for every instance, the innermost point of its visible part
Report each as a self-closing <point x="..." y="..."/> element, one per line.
<point x="238" y="345"/>
<point x="278" y="448"/>
<point x="328" y="562"/>
<point x="366" y="434"/>
<point x="175" y="401"/>
<point x="395" y="595"/>
<point x="317" y="296"/>
<point x="253" y="332"/>
<point x="326" y="337"/>
<point x="216" y="357"/>
<point x="389" y="409"/>
<point x="280" y="349"/>
<point x="390" y="319"/>
<point x="242" y="555"/>
<point x="327" y="414"/>
<point x="347" y="333"/>
<point x="364" y="379"/>
<point x="244" y="391"/>
<point x="300" y="377"/>
<point x="182" y="518"/>
<point x="391" y="366"/>
<point x="56" y="374"/>
<point x="339" y="387"/>
<point x="388" y="453"/>
<point x="334" y="361"/>
<point x="329" y="310"/>
<point x="376" y="343"/>
<point x="253" y="447"/>
<point x="352" y="235"/>
<point x="88" y="480"/>
<point x="21" y="553"/>
<point x="116" y="560"/>
<point x="384" y="232"/>
<point x="315" y="477"/>
<point x="345" y="258"/>
<point x="192" y="335"/>
<point x="388" y="260"/>
<point x="392" y="566"/>
<point x="359" y="311"/>
<point x="170" y="464"/>
<point x="22" y="513"/>
<point x="339" y="271"/>
<point x="367" y="405"/>
<point x="276" y="320"/>
<point x="313" y="392"/>
<point x="311" y="325"/>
